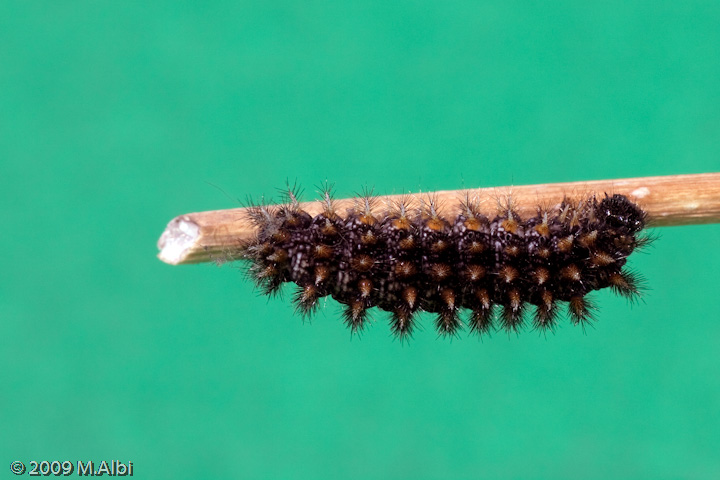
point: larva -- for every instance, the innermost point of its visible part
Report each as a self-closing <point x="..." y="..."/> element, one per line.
<point x="468" y="268"/>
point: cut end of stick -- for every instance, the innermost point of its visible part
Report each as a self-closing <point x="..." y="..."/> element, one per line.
<point x="178" y="240"/>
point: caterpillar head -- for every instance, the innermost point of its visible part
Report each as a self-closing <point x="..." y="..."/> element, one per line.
<point x="619" y="212"/>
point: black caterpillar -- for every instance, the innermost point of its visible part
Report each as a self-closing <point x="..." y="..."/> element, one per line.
<point x="405" y="260"/>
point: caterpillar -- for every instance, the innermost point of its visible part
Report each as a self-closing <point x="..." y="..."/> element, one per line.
<point x="467" y="267"/>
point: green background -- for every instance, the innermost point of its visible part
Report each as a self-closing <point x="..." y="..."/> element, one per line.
<point x="117" y="116"/>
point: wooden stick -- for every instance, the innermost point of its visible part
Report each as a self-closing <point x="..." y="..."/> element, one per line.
<point x="669" y="200"/>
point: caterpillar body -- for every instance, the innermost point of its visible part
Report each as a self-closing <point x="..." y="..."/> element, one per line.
<point x="499" y="271"/>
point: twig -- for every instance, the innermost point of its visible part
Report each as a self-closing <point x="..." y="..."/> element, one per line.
<point x="670" y="200"/>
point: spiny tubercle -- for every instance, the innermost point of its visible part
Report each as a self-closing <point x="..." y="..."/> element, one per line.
<point x="405" y="260"/>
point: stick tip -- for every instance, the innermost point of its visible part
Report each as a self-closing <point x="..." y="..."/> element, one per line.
<point x="178" y="240"/>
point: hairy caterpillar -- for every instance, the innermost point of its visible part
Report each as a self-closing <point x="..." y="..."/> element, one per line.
<point x="499" y="271"/>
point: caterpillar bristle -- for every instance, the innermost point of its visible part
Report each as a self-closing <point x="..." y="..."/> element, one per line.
<point x="512" y="313"/>
<point x="365" y="202"/>
<point x="430" y="206"/>
<point x="628" y="283"/>
<point x="400" y="207"/>
<point x="546" y="313"/>
<point x="327" y="199"/>
<point x="291" y="195"/>
<point x="402" y="323"/>
<point x="469" y="206"/>
<point x="447" y="320"/>
<point x="480" y="321"/>
<point x="581" y="310"/>
<point x="260" y="214"/>
<point x="355" y="316"/>
<point x="306" y="300"/>
<point x="413" y="256"/>
<point x="645" y="240"/>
